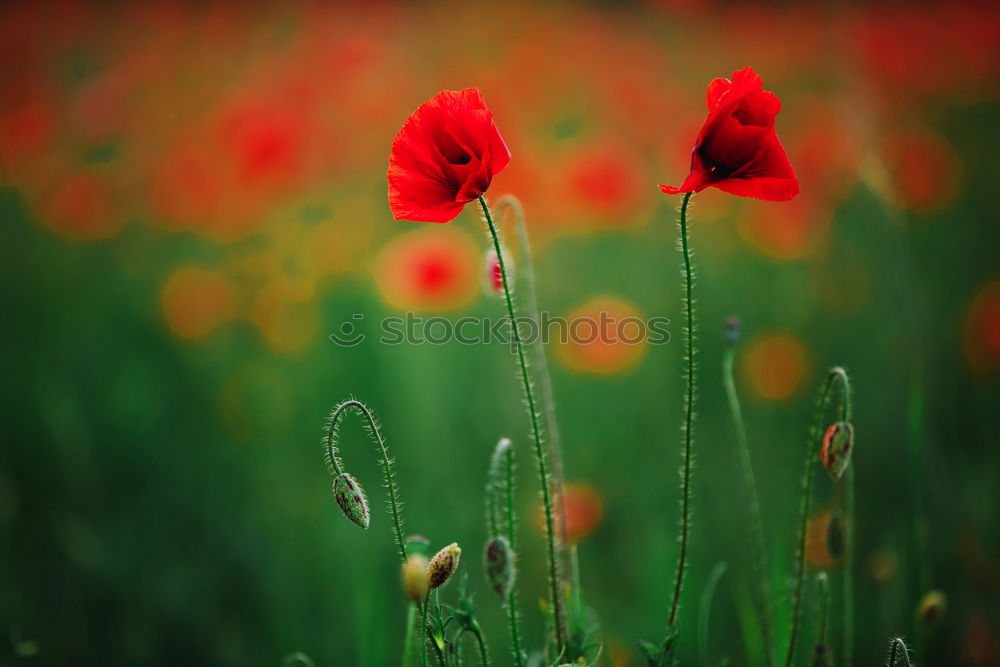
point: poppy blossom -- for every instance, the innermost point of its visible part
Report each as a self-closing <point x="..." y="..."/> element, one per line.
<point x="737" y="149"/>
<point x="445" y="156"/>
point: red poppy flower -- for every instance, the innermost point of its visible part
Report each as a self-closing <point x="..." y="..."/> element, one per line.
<point x="444" y="157"/>
<point x="737" y="149"/>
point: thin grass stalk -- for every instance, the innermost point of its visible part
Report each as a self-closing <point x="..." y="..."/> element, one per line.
<point x="705" y="609"/>
<point x="757" y="547"/>
<point x="811" y="458"/>
<point x="555" y="576"/>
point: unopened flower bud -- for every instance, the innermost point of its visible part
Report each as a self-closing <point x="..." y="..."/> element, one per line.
<point x="493" y="276"/>
<point x="838" y="443"/>
<point x="931" y="608"/>
<point x="351" y="498"/>
<point x="732" y="327"/>
<point x="443" y="565"/>
<point x="500" y="566"/>
<point x="415" y="577"/>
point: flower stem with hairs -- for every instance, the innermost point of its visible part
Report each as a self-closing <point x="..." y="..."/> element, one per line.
<point x="541" y="364"/>
<point x="687" y="462"/>
<point x="555" y="576"/>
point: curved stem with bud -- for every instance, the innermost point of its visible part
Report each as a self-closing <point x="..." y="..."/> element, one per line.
<point x="555" y="576"/>
<point x="836" y="374"/>
<point x="336" y="466"/>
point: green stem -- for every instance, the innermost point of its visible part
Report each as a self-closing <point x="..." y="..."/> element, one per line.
<point x="424" y="632"/>
<point x="333" y="461"/>
<point x="512" y="614"/>
<point x="821" y="653"/>
<point x="847" y="649"/>
<point x="555" y="579"/>
<point x="541" y="363"/>
<point x="411" y="619"/>
<point x="753" y="506"/>
<point x="483" y="655"/>
<point x="689" y="400"/>
<point x="812" y="454"/>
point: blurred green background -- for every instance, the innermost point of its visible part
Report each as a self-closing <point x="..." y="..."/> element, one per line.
<point x="194" y="199"/>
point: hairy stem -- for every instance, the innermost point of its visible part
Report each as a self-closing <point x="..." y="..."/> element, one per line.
<point x="512" y="613"/>
<point x="484" y="657"/>
<point x="555" y="578"/>
<point x="812" y="454"/>
<point x="689" y="400"/>
<point x="336" y="466"/>
<point x="898" y="650"/>
<point x="763" y="591"/>
<point x="424" y="631"/>
<point x="541" y="364"/>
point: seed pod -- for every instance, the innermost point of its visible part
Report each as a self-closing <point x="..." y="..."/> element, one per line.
<point x="351" y="498"/>
<point x="838" y="443"/>
<point x="499" y="566"/>
<point x="443" y="565"/>
<point x="836" y="537"/>
<point x="415" y="577"/>
<point x="931" y="608"/>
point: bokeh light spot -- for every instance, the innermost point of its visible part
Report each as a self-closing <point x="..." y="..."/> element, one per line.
<point x="776" y="365"/>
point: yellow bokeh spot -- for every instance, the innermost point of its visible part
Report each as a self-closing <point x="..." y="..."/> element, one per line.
<point x="195" y="301"/>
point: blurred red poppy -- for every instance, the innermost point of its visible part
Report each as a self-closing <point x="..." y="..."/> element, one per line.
<point x="737" y="149"/>
<point x="445" y="156"/>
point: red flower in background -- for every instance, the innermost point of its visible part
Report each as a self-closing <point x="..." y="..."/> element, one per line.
<point x="737" y="149"/>
<point x="445" y="156"/>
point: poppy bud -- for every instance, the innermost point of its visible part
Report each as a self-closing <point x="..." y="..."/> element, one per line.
<point x="500" y="566"/>
<point x="836" y="537"/>
<point x="732" y="327"/>
<point x="838" y="443"/>
<point x="931" y="608"/>
<point x="443" y="565"/>
<point x="492" y="276"/>
<point x="415" y="577"/>
<point x="351" y="498"/>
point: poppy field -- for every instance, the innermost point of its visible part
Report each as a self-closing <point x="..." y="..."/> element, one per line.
<point x="359" y="334"/>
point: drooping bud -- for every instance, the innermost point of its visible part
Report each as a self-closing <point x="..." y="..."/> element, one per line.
<point x="499" y="563"/>
<point x="732" y="327"/>
<point x="415" y="577"/>
<point x="351" y="498"/>
<point x="493" y="276"/>
<point x="838" y="443"/>
<point x="836" y="537"/>
<point x="931" y="608"/>
<point x="443" y="565"/>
